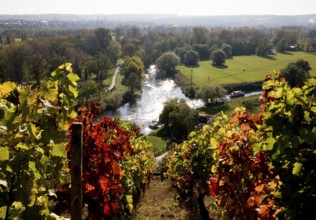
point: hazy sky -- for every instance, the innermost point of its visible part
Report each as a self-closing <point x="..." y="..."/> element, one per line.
<point x="180" y="7"/>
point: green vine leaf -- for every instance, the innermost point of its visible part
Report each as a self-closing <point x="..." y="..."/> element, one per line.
<point x="297" y="168"/>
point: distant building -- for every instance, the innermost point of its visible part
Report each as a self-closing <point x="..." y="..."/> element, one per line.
<point x="292" y="48"/>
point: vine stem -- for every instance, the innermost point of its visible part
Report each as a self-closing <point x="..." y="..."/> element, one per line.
<point x="10" y="199"/>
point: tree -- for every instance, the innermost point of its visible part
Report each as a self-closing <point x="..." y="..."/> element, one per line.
<point x="200" y="35"/>
<point x="167" y="63"/>
<point x="180" y="51"/>
<point x="264" y="48"/>
<point x="132" y="64"/>
<point x="129" y="49"/>
<point x="210" y="94"/>
<point x="87" y="89"/>
<point x="191" y="58"/>
<point x="203" y="51"/>
<point x="14" y="60"/>
<point x="282" y="45"/>
<point x="218" y="57"/>
<point x="104" y="37"/>
<point x="227" y="48"/>
<point x="214" y="47"/>
<point x="290" y="34"/>
<point x="179" y="119"/>
<point x="133" y="81"/>
<point x="35" y="60"/>
<point x="296" y="73"/>
<point x="114" y="50"/>
<point x="132" y="69"/>
<point x="1" y="69"/>
<point x="100" y="65"/>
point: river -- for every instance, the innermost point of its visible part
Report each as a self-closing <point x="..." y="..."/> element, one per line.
<point x="154" y="94"/>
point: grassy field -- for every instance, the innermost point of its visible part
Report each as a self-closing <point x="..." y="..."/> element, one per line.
<point x="158" y="144"/>
<point x="251" y="103"/>
<point x="244" y="68"/>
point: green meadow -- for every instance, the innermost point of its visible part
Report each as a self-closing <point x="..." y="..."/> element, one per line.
<point x="244" y="68"/>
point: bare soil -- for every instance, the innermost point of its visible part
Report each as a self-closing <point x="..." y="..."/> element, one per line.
<point x="159" y="202"/>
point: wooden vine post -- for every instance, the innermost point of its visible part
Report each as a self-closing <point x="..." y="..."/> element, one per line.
<point x="76" y="171"/>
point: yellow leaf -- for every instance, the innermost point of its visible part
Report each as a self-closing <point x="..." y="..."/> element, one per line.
<point x="6" y="88"/>
<point x="214" y="143"/>
<point x="73" y="78"/>
<point x="73" y="90"/>
<point x="50" y="91"/>
<point x="129" y="199"/>
<point x="297" y="168"/>
<point x="66" y="66"/>
<point x="4" y="153"/>
<point x="73" y="114"/>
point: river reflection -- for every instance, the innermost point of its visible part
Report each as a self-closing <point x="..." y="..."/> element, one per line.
<point x="150" y="105"/>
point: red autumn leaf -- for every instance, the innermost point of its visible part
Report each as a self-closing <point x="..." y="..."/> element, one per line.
<point x="260" y="198"/>
<point x="184" y="156"/>
<point x="264" y="212"/>
<point x="259" y="188"/>
<point x="115" y="207"/>
<point x="116" y="169"/>
<point x="213" y="186"/>
<point x="106" y="209"/>
<point x="89" y="187"/>
<point x="251" y="201"/>
<point x="118" y="189"/>
<point x="272" y="184"/>
<point x="104" y="184"/>
<point x="245" y="127"/>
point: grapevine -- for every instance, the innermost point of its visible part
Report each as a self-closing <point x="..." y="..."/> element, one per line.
<point x="33" y="126"/>
<point x="116" y="165"/>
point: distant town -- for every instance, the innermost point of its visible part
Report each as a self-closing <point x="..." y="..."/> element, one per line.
<point x="69" y="21"/>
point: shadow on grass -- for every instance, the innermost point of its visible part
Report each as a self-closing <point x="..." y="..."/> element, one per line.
<point x="192" y="66"/>
<point x="162" y="132"/>
<point x="214" y="109"/>
<point x="286" y="53"/>
<point x="252" y="105"/>
<point x="311" y="53"/>
<point x="269" y="58"/>
<point x="222" y="66"/>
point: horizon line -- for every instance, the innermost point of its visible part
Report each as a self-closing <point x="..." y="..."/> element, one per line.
<point x="153" y="14"/>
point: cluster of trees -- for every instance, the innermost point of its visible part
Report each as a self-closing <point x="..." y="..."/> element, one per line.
<point x="94" y="53"/>
<point x="296" y="73"/>
<point x="149" y="44"/>
<point x="133" y="71"/>
<point x="179" y="119"/>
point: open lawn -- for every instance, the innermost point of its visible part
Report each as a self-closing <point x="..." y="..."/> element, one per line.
<point x="158" y="145"/>
<point x="244" y="68"/>
<point x="251" y="104"/>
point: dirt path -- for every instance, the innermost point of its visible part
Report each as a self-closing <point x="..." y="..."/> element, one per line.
<point x="114" y="78"/>
<point x="158" y="202"/>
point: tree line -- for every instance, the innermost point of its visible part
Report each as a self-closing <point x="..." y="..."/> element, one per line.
<point x="94" y="53"/>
